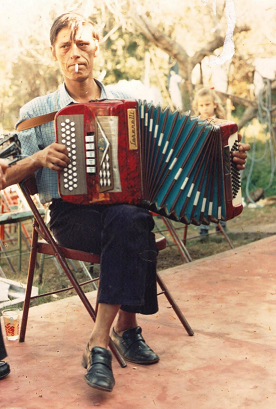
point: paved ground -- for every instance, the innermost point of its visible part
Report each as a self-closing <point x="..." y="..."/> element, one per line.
<point x="230" y="302"/>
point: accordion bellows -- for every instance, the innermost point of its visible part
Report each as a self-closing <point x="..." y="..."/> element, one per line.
<point x="128" y="151"/>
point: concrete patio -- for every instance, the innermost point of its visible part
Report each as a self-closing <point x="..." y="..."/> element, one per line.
<point x="230" y="302"/>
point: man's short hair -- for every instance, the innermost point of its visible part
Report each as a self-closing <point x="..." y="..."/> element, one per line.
<point x="72" y="21"/>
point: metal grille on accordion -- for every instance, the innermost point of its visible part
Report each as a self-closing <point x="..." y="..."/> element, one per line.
<point x="127" y="151"/>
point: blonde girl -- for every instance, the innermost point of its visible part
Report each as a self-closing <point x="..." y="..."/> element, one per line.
<point x="207" y="104"/>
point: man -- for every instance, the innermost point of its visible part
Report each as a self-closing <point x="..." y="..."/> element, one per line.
<point x="121" y="233"/>
<point x="4" y="366"/>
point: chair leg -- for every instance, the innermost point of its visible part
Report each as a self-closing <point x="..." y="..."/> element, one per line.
<point x="181" y="247"/>
<point x="221" y="229"/>
<point x="32" y="263"/>
<point x="177" y="310"/>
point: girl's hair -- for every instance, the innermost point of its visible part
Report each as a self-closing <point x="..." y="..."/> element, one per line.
<point x="203" y="92"/>
<point x="73" y="21"/>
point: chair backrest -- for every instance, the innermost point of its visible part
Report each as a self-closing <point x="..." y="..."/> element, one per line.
<point x="29" y="185"/>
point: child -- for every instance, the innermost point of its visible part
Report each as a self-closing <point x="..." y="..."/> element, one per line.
<point x="207" y="104"/>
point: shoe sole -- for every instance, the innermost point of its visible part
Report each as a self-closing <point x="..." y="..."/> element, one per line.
<point x="141" y="362"/>
<point x="134" y="362"/>
<point x="97" y="386"/>
<point x="4" y="376"/>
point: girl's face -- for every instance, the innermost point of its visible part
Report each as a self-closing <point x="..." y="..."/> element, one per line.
<point x="206" y="107"/>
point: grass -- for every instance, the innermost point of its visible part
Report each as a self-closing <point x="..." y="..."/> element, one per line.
<point x="197" y="248"/>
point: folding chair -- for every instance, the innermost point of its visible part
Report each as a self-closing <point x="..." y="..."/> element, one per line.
<point x="14" y="211"/>
<point x="50" y="247"/>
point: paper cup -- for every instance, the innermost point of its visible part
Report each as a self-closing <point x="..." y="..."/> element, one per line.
<point x="11" y="323"/>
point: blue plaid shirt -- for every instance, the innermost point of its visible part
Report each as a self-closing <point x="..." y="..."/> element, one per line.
<point x="35" y="139"/>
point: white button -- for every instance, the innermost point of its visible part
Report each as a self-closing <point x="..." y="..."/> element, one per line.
<point x="90" y="146"/>
<point x="90" y="162"/>
<point x="89" y="138"/>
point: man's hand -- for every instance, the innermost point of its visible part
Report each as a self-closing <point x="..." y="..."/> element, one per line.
<point x="54" y="156"/>
<point x="3" y="166"/>
<point x="239" y="157"/>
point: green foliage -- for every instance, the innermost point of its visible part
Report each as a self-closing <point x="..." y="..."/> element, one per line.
<point x="259" y="172"/>
<point x="123" y="56"/>
<point x="238" y="111"/>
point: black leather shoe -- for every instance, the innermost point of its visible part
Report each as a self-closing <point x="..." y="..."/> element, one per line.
<point x="99" y="371"/>
<point x="133" y="347"/>
<point x="4" y="369"/>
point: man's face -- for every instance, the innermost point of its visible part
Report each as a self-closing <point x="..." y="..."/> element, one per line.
<point x="82" y="51"/>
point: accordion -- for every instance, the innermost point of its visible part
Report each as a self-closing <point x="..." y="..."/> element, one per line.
<point x="128" y="151"/>
<point x="10" y="147"/>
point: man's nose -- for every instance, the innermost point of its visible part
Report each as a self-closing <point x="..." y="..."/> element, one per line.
<point x="74" y="51"/>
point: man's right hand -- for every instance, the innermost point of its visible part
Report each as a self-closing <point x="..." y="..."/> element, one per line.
<point x="54" y="156"/>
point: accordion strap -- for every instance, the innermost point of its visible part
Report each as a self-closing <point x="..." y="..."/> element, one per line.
<point x="37" y="120"/>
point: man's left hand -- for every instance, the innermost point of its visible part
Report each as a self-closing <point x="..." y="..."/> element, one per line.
<point x="239" y="157"/>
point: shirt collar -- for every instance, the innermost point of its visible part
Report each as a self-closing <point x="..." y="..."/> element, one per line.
<point x="65" y="99"/>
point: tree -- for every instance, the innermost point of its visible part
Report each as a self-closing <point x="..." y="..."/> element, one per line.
<point x="189" y="55"/>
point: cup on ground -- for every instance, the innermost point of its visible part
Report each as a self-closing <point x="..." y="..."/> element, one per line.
<point x="11" y="323"/>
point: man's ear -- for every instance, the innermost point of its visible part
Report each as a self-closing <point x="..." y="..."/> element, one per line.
<point x="53" y="53"/>
<point x="97" y="49"/>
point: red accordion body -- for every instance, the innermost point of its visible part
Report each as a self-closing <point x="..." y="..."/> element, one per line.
<point x="126" y="159"/>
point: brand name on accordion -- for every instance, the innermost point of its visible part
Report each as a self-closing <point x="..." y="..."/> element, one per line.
<point x="132" y="129"/>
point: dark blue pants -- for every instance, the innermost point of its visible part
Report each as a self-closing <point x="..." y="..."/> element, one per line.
<point x="3" y="352"/>
<point x="122" y="234"/>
